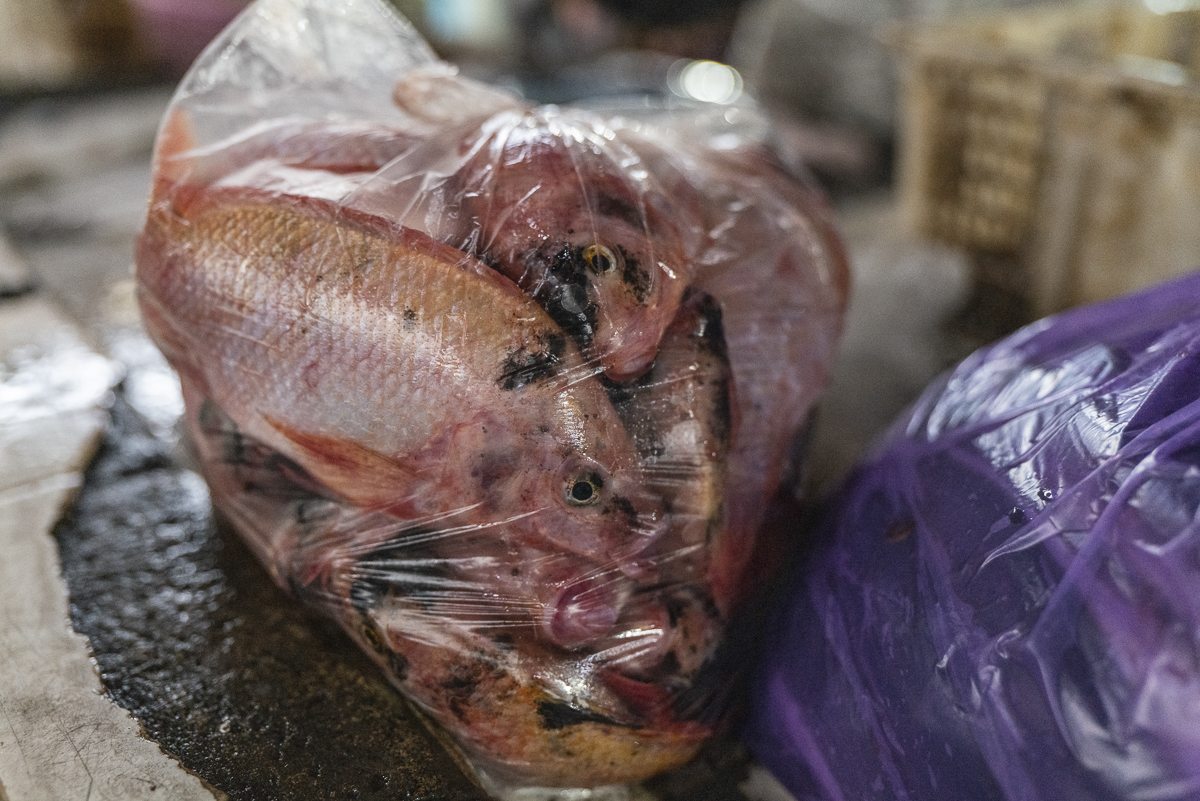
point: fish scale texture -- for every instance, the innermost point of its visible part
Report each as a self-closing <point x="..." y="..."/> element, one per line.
<point x="509" y="392"/>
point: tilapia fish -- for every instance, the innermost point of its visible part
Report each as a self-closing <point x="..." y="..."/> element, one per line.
<point x="552" y="202"/>
<point x="547" y="198"/>
<point x="557" y="202"/>
<point x="408" y="439"/>
<point x="774" y="262"/>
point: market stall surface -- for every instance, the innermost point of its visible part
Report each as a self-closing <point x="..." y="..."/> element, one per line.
<point x="107" y="534"/>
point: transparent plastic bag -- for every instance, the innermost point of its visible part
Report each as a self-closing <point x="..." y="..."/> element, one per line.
<point x="507" y="391"/>
<point x="1006" y="603"/>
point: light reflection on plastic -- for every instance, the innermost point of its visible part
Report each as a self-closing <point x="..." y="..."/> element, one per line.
<point x="1153" y="69"/>
<point x="707" y="81"/>
<point x="1169" y="6"/>
<point x="481" y="23"/>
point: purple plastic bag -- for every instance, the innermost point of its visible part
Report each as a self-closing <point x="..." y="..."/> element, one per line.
<point x="1006" y="600"/>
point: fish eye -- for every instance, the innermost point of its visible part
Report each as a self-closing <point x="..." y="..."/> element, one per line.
<point x="374" y="638"/>
<point x="601" y="259"/>
<point x="584" y="489"/>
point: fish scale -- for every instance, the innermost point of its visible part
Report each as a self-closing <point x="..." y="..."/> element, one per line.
<point x="497" y="387"/>
<point x="369" y="353"/>
<point x="273" y="288"/>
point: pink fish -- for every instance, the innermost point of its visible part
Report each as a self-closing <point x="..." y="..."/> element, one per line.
<point x="782" y="279"/>
<point x="773" y="261"/>
<point x="457" y="617"/>
<point x="549" y="200"/>
<point x="680" y="414"/>
<point x="401" y="373"/>
<point x="555" y="201"/>
<point x="355" y="387"/>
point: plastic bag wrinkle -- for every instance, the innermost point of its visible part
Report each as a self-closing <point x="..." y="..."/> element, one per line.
<point x="492" y="385"/>
<point x="1039" y="509"/>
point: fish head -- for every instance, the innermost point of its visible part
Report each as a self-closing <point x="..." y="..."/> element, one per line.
<point x="565" y="478"/>
<point x="567" y="214"/>
<point x="601" y="497"/>
<point x="602" y="510"/>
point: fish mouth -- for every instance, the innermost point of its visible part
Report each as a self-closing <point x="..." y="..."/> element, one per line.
<point x="583" y="606"/>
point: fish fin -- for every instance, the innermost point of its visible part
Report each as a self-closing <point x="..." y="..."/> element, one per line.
<point x="257" y="468"/>
<point x="650" y="701"/>
<point x="363" y="476"/>
<point x="174" y="139"/>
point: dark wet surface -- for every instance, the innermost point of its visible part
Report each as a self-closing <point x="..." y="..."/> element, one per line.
<point x="260" y="698"/>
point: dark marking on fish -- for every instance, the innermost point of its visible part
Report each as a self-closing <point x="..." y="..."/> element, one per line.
<point x="617" y="208"/>
<point x="459" y="682"/>
<point x="559" y="714"/>
<point x="214" y="423"/>
<point x="478" y="668"/>
<point x="458" y="697"/>
<point x="374" y="571"/>
<point x="622" y="393"/>
<point x="722" y="410"/>
<point x="710" y="329"/>
<point x="710" y="334"/>
<point x="493" y="467"/>
<point x="564" y="263"/>
<point x="563" y="291"/>
<point x="260" y="469"/>
<point x="623" y="506"/>
<point x="410" y="319"/>
<point x="399" y="665"/>
<point x="635" y="278"/>
<point x="524" y="366"/>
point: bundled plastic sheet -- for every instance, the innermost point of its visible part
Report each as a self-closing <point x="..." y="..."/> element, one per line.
<point x="1007" y="604"/>
<point x="508" y="391"/>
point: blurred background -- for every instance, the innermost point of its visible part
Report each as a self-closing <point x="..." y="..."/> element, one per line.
<point x="990" y="161"/>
